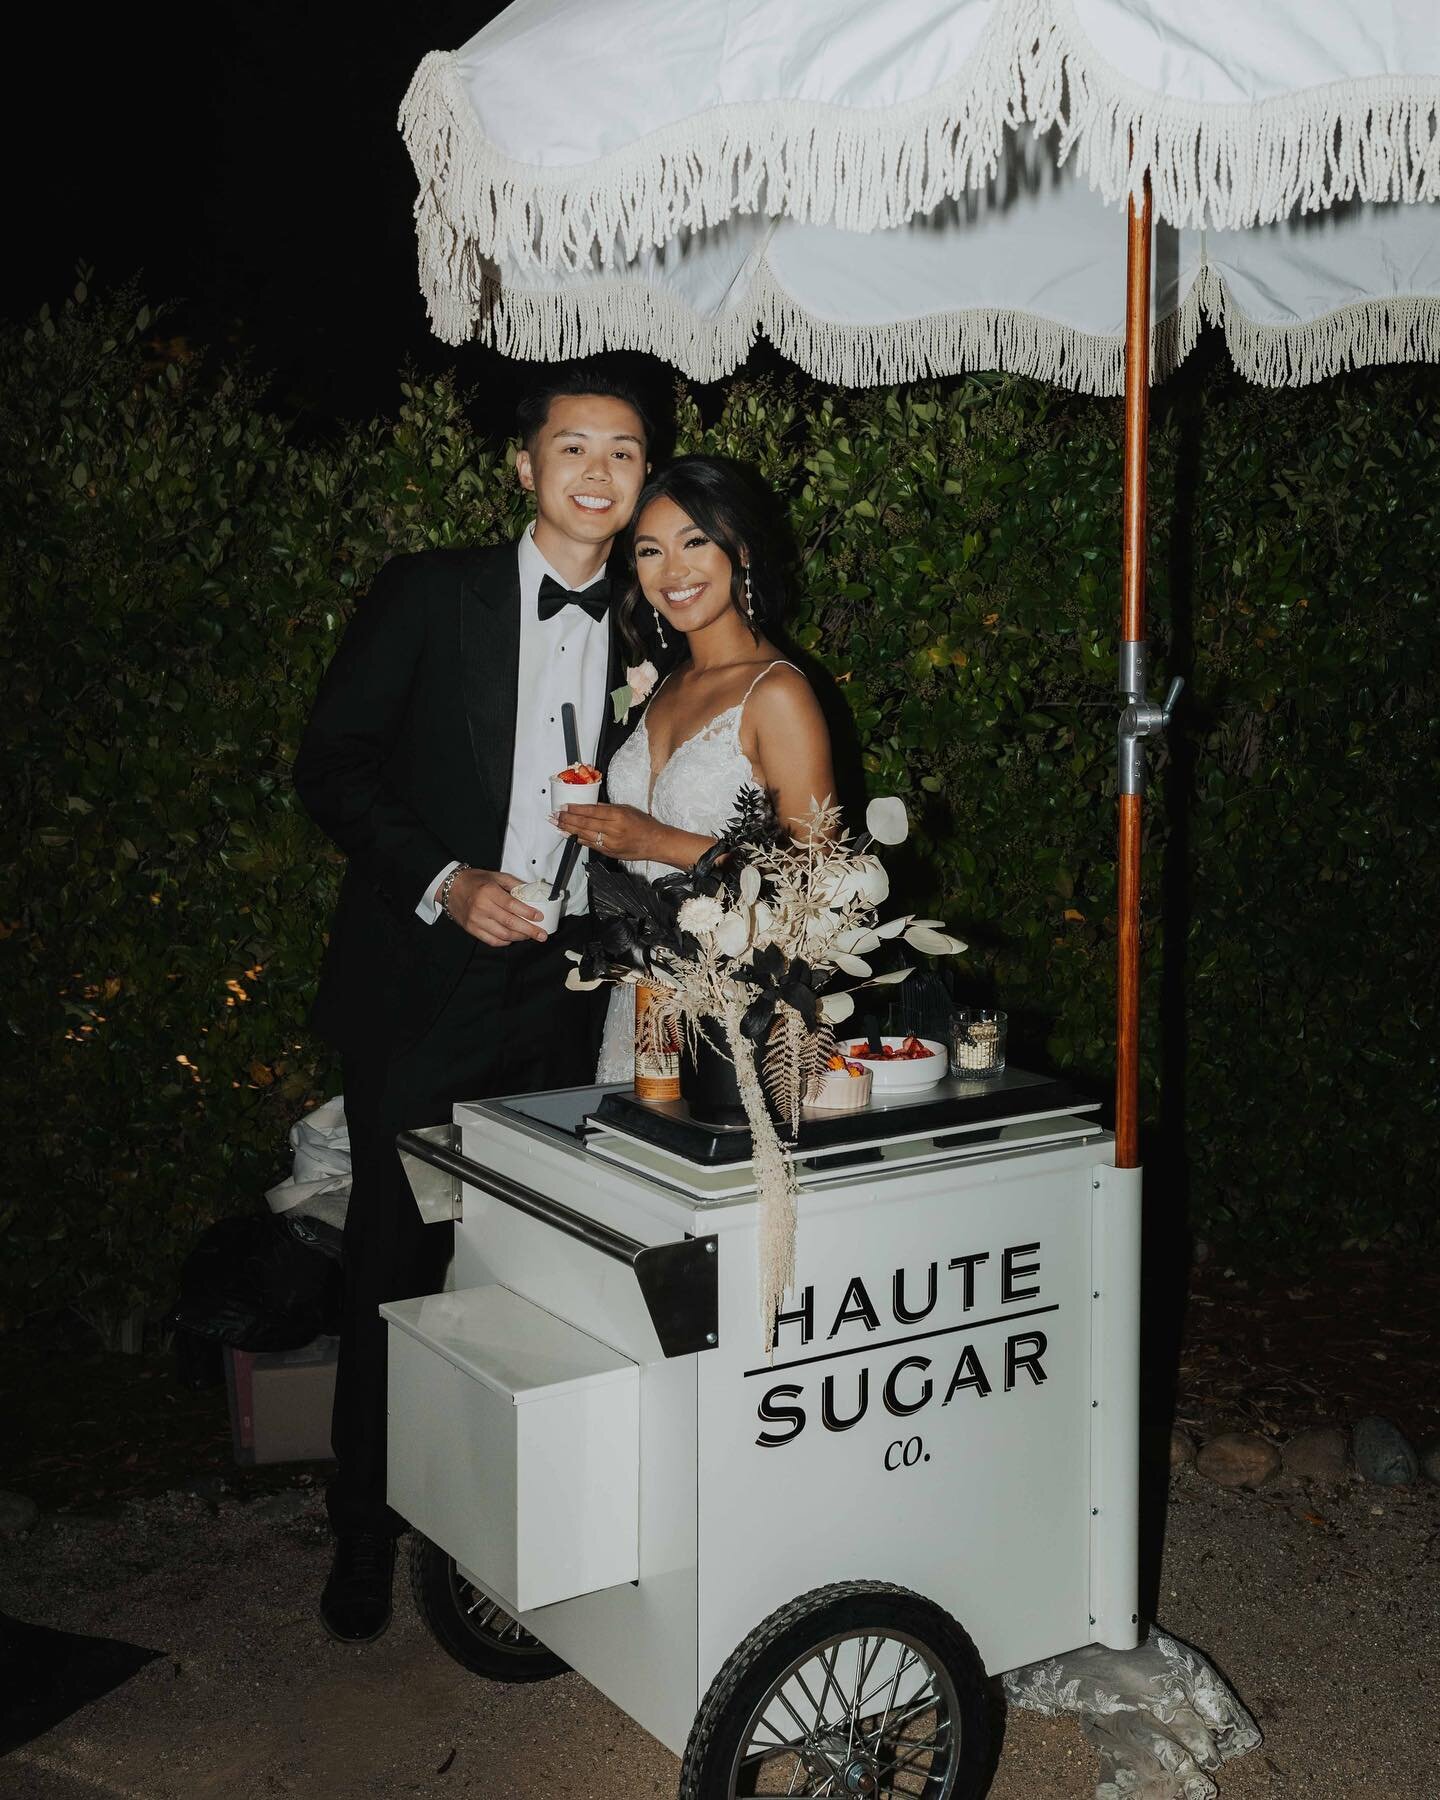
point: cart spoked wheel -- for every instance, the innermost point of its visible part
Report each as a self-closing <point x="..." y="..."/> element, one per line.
<point x="470" y="1625"/>
<point x="857" y="1689"/>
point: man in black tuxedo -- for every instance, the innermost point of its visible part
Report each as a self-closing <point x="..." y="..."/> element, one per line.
<point x="427" y="759"/>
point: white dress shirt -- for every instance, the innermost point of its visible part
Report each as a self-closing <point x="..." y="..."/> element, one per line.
<point x="565" y="657"/>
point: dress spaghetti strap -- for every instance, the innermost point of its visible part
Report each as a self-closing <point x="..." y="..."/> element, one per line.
<point x="779" y="663"/>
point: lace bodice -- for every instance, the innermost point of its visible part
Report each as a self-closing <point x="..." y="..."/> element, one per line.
<point x="695" y="791"/>
<point x="699" y="785"/>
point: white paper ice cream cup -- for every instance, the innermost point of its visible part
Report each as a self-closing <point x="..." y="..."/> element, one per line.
<point x="537" y="894"/>
<point x="570" y="793"/>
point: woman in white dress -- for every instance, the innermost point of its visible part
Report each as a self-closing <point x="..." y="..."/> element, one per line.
<point x="730" y="714"/>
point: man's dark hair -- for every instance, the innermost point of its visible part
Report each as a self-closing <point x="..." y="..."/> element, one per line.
<point x="592" y="375"/>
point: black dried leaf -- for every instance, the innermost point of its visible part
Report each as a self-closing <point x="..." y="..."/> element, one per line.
<point x="753" y="823"/>
<point x="759" y="1016"/>
<point x="615" y="891"/>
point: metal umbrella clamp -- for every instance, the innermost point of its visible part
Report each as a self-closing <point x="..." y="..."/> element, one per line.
<point x="765" y="1564"/>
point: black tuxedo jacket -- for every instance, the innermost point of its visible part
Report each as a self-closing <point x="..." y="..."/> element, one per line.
<point x="406" y="765"/>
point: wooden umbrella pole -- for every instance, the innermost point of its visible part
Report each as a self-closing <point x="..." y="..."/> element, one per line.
<point x="1132" y="683"/>
<point x="1137" y="416"/>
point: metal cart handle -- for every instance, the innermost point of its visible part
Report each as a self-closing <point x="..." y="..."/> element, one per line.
<point x="678" y="1282"/>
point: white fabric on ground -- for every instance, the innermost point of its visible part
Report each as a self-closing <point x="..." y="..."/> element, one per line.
<point x="318" y="1184"/>
<point x="1161" y="1718"/>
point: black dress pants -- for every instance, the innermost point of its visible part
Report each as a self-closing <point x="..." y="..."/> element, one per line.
<point x="510" y="1027"/>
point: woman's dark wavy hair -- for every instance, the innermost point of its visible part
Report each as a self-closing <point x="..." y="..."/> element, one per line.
<point x="735" y="510"/>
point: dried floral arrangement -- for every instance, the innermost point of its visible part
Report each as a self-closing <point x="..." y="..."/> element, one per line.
<point x="762" y="943"/>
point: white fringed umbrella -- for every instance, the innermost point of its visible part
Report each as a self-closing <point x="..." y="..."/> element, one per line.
<point x="853" y="178"/>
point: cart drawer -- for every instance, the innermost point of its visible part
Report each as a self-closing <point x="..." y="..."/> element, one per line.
<point x="514" y="1444"/>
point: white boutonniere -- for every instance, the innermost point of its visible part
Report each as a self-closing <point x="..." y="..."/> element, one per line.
<point x="639" y="685"/>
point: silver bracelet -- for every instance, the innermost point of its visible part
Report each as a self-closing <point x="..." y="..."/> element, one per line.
<point x="442" y="899"/>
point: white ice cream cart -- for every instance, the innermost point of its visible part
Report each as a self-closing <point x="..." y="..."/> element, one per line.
<point x="797" y="1571"/>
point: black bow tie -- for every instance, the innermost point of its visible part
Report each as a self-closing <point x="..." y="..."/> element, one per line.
<point x="595" y="599"/>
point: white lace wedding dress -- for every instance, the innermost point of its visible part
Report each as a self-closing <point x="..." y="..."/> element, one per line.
<point x="695" y="791"/>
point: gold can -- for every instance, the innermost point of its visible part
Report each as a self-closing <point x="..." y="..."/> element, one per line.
<point x="657" y="1049"/>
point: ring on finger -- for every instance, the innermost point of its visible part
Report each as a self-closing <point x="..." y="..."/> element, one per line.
<point x="599" y="840"/>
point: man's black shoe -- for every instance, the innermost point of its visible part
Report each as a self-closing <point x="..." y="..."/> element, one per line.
<point x="355" y="1606"/>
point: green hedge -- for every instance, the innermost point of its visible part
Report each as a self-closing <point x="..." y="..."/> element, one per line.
<point x="178" y="564"/>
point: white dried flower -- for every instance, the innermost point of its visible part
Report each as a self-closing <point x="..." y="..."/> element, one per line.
<point x="700" y="913"/>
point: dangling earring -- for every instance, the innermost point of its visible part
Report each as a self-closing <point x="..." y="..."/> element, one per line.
<point x="660" y="630"/>
<point x="749" y="597"/>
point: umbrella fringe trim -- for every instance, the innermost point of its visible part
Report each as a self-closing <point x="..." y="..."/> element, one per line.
<point x="615" y="314"/>
<point x="858" y="169"/>
<point x="969" y="339"/>
<point x="629" y="315"/>
<point x="1227" y="166"/>
<point x="1400" y="328"/>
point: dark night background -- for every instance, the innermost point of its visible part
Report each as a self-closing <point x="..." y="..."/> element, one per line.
<point x="243" y="161"/>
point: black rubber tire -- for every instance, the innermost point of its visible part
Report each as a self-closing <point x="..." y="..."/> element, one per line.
<point x="809" y="1620"/>
<point x="441" y="1597"/>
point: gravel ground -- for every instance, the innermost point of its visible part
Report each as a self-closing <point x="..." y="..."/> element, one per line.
<point x="1321" y="1607"/>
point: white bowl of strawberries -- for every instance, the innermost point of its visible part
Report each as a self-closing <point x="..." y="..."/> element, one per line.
<point x="901" y="1064"/>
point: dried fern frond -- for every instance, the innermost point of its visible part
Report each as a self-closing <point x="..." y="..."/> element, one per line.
<point x="819" y="1047"/>
<point x="795" y="1059"/>
<point x="784" y="1070"/>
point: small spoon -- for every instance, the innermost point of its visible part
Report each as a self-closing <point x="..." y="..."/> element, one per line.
<point x="567" y="863"/>
<point x="572" y="737"/>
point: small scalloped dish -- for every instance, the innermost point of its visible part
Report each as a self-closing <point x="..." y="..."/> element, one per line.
<point x="845" y="1088"/>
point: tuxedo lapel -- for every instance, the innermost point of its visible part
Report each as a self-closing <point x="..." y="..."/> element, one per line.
<point x="490" y="669"/>
<point x="610" y="732"/>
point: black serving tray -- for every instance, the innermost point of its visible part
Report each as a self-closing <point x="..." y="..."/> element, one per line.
<point x="951" y="1105"/>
